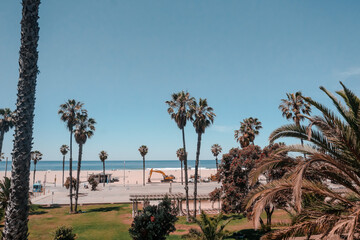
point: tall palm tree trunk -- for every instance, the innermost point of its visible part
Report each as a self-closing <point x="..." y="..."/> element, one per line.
<point x="2" y="133"/>
<point x="17" y="212"/>
<point x="104" y="173"/>
<point x="217" y="165"/>
<point x="143" y="170"/>
<point x="196" y="171"/>
<point x="186" y="178"/>
<point x="70" y="172"/>
<point x="78" y="177"/>
<point x="182" y="180"/>
<point x="34" y="173"/>
<point x="63" y="170"/>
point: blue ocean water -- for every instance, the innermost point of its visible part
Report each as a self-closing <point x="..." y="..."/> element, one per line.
<point x="44" y="165"/>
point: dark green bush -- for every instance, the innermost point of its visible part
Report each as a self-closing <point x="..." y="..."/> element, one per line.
<point x="92" y="182"/>
<point x="64" y="233"/>
<point x="154" y="222"/>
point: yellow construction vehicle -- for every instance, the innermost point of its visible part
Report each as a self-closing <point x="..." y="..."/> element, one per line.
<point x="167" y="178"/>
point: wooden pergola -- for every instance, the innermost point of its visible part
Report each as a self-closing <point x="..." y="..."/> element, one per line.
<point x="175" y="198"/>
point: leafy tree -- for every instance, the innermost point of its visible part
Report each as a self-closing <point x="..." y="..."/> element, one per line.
<point x="68" y="113"/>
<point x="143" y="151"/>
<point x="179" y="111"/>
<point x="180" y="153"/>
<point x="64" y="150"/>
<point x="155" y="222"/>
<point x="92" y="182"/>
<point x="35" y="156"/>
<point x="103" y="156"/>
<point x="64" y="233"/>
<point x="6" y="123"/>
<point x="234" y="175"/>
<point x="249" y="128"/>
<point x="84" y="129"/>
<point x="211" y="228"/>
<point x="18" y="209"/>
<point x="202" y="116"/>
<point x="216" y="150"/>
<point x="334" y="156"/>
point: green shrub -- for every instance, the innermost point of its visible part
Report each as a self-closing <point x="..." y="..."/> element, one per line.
<point x="64" y="233"/>
<point x="154" y="222"/>
<point x="92" y="182"/>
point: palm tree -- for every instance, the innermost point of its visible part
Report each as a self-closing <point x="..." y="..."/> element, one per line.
<point x="202" y="117"/>
<point x="211" y="228"/>
<point x="68" y="112"/>
<point x="64" y="150"/>
<point x="179" y="112"/>
<point x="143" y="151"/>
<point x="180" y="153"/>
<point x="249" y="128"/>
<point x="216" y="150"/>
<point x="84" y="129"/>
<point x="103" y="156"/>
<point x="18" y="208"/>
<point x="4" y="193"/>
<point x="295" y="108"/>
<point x="35" y="156"/>
<point x="6" y="122"/>
<point x="334" y="155"/>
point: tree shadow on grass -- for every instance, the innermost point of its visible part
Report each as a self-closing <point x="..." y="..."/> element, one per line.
<point x="247" y="234"/>
<point x="104" y="209"/>
<point x="234" y="217"/>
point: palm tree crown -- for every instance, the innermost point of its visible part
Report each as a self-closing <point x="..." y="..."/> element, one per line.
<point x="64" y="149"/>
<point x="103" y="156"/>
<point x="178" y="107"/>
<point x="180" y="153"/>
<point x="6" y="119"/>
<point x="69" y="111"/>
<point x="294" y="107"/>
<point x="84" y="128"/>
<point x="36" y="156"/>
<point x="249" y="128"/>
<point x="216" y="149"/>
<point x="201" y="115"/>
<point x="334" y="155"/>
<point x="143" y="150"/>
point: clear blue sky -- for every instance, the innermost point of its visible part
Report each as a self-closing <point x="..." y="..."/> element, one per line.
<point x="123" y="59"/>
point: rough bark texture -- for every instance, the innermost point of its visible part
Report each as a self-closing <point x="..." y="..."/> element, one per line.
<point x="63" y="170"/>
<point x="70" y="172"/>
<point x="143" y="170"/>
<point x="2" y="133"/>
<point x="196" y="171"/>
<point x="78" y="177"/>
<point x="17" y="211"/>
<point x="104" y="172"/>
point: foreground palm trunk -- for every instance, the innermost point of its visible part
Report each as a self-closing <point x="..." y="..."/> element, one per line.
<point x="196" y="171"/>
<point x="186" y="179"/>
<point x="2" y="133"/>
<point x="18" y="207"/>
<point x="70" y="173"/>
<point x="78" y="177"/>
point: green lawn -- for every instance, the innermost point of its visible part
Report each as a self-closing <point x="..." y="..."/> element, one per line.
<point x="112" y="221"/>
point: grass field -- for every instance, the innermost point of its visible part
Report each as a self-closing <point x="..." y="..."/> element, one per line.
<point x="113" y="221"/>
